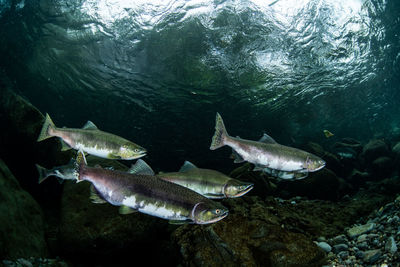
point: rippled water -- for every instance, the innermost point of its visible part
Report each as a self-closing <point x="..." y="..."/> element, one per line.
<point x="157" y="71"/>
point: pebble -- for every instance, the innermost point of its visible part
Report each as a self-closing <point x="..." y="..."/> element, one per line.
<point x="372" y="256"/>
<point x="340" y="247"/>
<point x="343" y="254"/>
<point x="360" y="254"/>
<point x="325" y="246"/>
<point x="360" y="229"/>
<point x="340" y="239"/>
<point x="391" y="245"/>
<point x="362" y="238"/>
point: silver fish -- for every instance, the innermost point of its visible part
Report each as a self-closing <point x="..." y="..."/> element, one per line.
<point x="148" y="194"/>
<point x="209" y="183"/>
<point x="285" y="175"/>
<point x="266" y="153"/>
<point x="92" y="141"/>
<point x="63" y="172"/>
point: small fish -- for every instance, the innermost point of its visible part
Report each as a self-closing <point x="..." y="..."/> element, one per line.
<point x="63" y="172"/>
<point x="148" y="194"/>
<point x="328" y="134"/>
<point x="92" y="141"/>
<point x="209" y="183"/>
<point x="265" y="153"/>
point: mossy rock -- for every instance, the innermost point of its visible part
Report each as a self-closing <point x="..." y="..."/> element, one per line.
<point x="21" y="221"/>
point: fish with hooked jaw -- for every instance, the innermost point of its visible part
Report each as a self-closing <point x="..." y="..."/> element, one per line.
<point x="144" y="192"/>
<point x="266" y="153"/>
<point x="209" y="183"/>
<point x="92" y="141"/>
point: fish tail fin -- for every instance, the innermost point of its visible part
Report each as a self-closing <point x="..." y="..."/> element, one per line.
<point x="47" y="125"/>
<point x="80" y="164"/>
<point x="220" y="134"/>
<point x="43" y="173"/>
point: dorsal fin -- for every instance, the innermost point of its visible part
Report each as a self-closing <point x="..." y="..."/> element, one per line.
<point x="95" y="196"/>
<point x="141" y="167"/>
<point x="90" y="126"/>
<point x="187" y="166"/>
<point x="267" y="139"/>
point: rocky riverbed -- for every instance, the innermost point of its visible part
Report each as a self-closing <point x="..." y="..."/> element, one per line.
<point x="372" y="241"/>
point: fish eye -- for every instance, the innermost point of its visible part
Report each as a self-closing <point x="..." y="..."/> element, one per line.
<point x="136" y="150"/>
<point x="217" y="211"/>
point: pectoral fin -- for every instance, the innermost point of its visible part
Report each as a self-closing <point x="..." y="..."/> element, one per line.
<point x="126" y="210"/>
<point x="113" y="156"/>
<point x="180" y="222"/>
<point x="213" y="196"/>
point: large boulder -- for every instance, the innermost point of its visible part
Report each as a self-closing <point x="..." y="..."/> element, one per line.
<point x="396" y="152"/>
<point x="374" y="149"/>
<point x="251" y="235"/>
<point x="382" y="167"/>
<point x="18" y="141"/>
<point x="21" y="220"/>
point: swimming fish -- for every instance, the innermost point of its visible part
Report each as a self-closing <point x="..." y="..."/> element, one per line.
<point x="285" y="175"/>
<point x="92" y="141"/>
<point x="148" y="194"/>
<point x="266" y="153"/>
<point x="209" y="183"/>
<point x="63" y="172"/>
<point x="328" y="134"/>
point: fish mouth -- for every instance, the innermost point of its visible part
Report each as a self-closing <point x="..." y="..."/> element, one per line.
<point x="245" y="191"/>
<point x="138" y="155"/>
<point x="216" y="219"/>
<point x="320" y="167"/>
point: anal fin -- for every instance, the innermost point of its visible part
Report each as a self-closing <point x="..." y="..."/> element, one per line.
<point x="95" y="196"/>
<point x="64" y="146"/>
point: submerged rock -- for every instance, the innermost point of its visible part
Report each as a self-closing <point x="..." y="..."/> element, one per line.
<point x="21" y="220"/>
<point x="390" y="245"/>
<point x="374" y="149"/>
<point x="360" y="229"/>
<point x="372" y="256"/>
<point x="18" y="140"/>
<point x="396" y="152"/>
<point x="382" y="167"/>
<point x="323" y="184"/>
<point x="325" y="246"/>
<point x="248" y="238"/>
